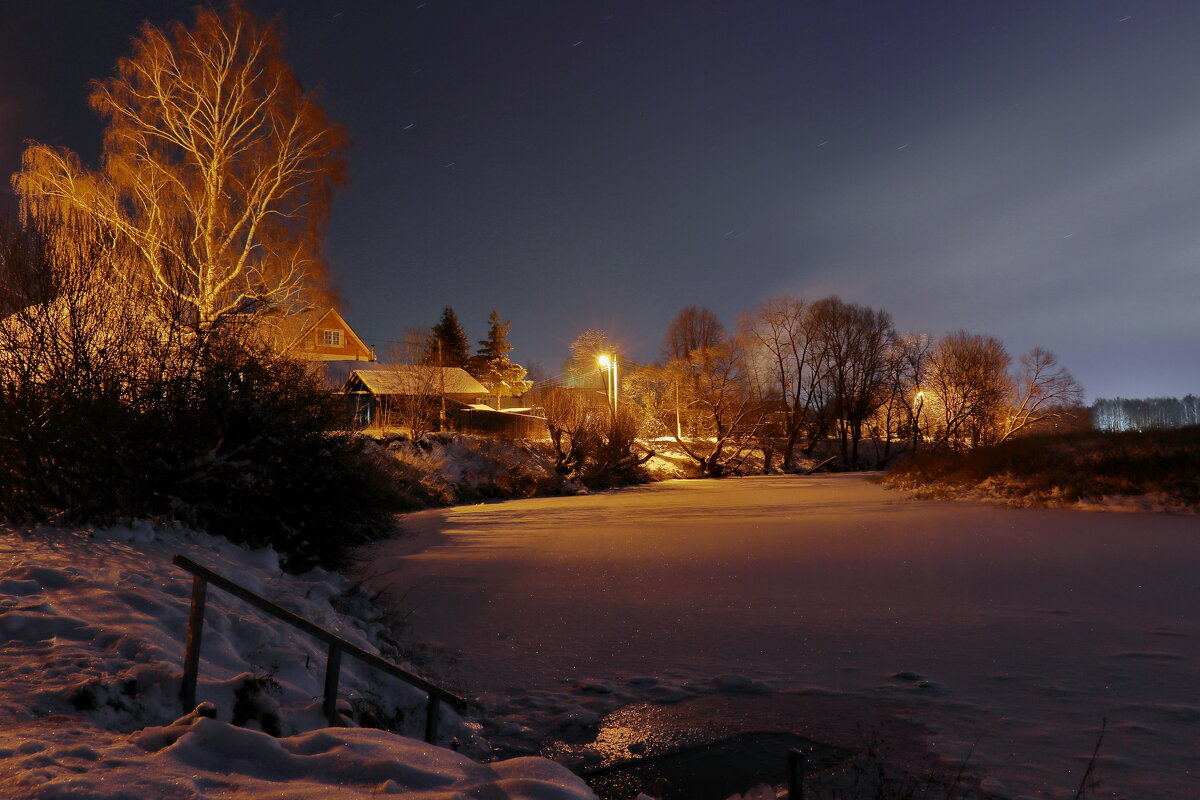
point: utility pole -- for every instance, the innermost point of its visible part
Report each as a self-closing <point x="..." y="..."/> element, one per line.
<point x="678" y="427"/>
<point x="442" y="386"/>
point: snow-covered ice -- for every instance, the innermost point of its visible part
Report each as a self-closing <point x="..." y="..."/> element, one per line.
<point x="92" y="624"/>
<point x="1014" y="632"/>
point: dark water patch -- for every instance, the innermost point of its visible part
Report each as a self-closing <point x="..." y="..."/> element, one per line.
<point x="716" y="745"/>
<point x="712" y="771"/>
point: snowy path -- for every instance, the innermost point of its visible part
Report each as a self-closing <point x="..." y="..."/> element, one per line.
<point x="1019" y="628"/>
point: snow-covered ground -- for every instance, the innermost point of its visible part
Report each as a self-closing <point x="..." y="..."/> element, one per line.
<point x="92" y="624"/>
<point x="1012" y="631"/>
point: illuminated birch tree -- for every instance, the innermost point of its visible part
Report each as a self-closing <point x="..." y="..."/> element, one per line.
<point x="1045" y="391"/>
<point x="217" y="169"/>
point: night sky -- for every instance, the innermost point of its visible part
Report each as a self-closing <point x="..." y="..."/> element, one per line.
<point x="1028" y="170"/>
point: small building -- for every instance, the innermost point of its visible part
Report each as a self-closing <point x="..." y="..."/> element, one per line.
<point x="401" y="395"/>
<point x="410" y="380"/>
<point x="384" y="392"/>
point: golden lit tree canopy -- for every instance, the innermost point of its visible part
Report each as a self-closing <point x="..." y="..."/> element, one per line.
<point x="218" y="168"/>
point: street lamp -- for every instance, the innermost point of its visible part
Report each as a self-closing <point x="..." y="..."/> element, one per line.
<point x="610" y="385"/>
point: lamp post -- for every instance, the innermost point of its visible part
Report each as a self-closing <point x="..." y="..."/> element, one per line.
<point x="610" y="384"/>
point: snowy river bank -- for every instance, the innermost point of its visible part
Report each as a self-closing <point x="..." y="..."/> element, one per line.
<point x="1010" y="631"/>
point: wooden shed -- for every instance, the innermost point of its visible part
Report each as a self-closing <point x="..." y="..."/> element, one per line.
<point x="382" y="391"/>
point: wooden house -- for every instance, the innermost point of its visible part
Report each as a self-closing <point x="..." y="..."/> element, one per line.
<point x="317" y="335"/>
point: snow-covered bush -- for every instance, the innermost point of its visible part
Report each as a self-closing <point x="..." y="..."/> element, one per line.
<point x="446" y="468"/>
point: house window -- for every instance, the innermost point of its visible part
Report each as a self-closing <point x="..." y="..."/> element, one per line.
<point x="331" y="338"/>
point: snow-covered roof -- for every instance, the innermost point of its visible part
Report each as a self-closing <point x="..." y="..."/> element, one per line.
<point x="336" y="372"/>
<point x="415" y="379"/>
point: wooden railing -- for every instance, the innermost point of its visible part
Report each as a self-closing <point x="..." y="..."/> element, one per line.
<point x="337" y="645"/>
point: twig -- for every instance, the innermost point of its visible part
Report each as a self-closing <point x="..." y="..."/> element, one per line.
<point x="1092" y="761"/>
<point x="962" y="767"/>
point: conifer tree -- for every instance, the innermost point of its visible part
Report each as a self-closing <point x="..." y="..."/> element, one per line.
<point x="491" y="366"/>
<point x="448" y="346"/>
<point x="496" y="345"/>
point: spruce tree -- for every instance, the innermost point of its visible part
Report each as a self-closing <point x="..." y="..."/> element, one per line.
<point x="496" y="345"/>
<point x="491" y="366"/>
<point x="448" y="346"/>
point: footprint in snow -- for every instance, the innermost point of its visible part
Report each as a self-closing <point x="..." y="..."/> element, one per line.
<point x="1165" y="632"/>
<point x="1146" y="655"/>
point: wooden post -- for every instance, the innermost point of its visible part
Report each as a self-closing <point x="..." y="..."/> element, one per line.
<point x="795" y="774"/>
<point x="332" y="666"/>
<point x="431" y="719"/>
<point x="191" y="656"/>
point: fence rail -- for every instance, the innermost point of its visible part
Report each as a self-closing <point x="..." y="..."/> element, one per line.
<point x="202" y="576"/>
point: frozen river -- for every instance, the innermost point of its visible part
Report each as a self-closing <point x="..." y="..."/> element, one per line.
<point x="1013" y="630"/>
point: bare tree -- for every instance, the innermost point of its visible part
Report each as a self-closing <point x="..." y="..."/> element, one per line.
<point x="855" y="342"/>
<point x="569" y="420"/>
<point x="417" y="400"/>
<point x="968" y="389"/>
<point x="785" y="351"/>
<point x="653" y="389"/>
<point x="1130" y="414"/>
<point x="1045" y="391"/>
<point x="694" y="328"/>
<point x="896" y="423"/>
<point x="720" y="416"/>
<point x="593" y="445"/>
<point x="582" y="365"/>
<point x="218" y="168"/>
<point x="912" y="368"/>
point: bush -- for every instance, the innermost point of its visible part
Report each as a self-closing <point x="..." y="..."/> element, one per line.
<point x="596" y="448"/>
<point x="269" y="467"/>
<point x="1072" y="467"/>
<point x="111" y="407"/>
<point x="442" y="469"/>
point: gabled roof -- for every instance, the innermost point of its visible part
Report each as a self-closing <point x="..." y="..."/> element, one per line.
<point x="415" y="379"/>
<point x="290" y="330"/>
<point x="335" y="373"/>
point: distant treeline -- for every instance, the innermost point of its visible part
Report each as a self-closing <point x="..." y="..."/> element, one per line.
<point x="1120" y="414"/>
